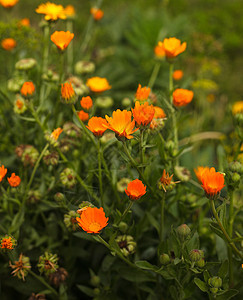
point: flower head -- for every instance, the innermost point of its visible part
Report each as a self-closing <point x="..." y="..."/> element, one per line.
<point x="21" y="266"/>
<point x="178" y="74"/>
<point x="48" y="263"/>
<point x="86" y="102"/>
<point x="92" y="220"/>
<point x="14" y="180"/>
<point x="62" y="39"/>
<point x="27" y="89"/>
<point x="142" y="93"/>
<point x="98" y="84"/>
<point x="8" y="243"/>
<point x="55" y="133"/>
<point x="199" y="172"/>
<point x="97" y="125"/>
<point x="166" y="182"/>
<point x="159" y="50"/>
<point x="172" y="47"/>
<point x="212" y="182"/>
<point x="159" y="113"/>
<point x="143" y="114"/>
<point x="3" y="172"/>
<point x="8" y="44"/>
<point x="24" y="22"/>
<point x="237" y="108"/>
<point x="182" y="97"/>
<point x="51" y="11"/>
<point x="96" y="13"/>
<point x="69" y="11"/>
<point x="68" y="94"/>
<point x="121" y="123"/>
<point x="83" y="116"/>
<point x="135" y="189"/>
<point x="8" y="3"/>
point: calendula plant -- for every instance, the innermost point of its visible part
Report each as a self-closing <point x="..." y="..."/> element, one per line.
<point x="98" y="198"/>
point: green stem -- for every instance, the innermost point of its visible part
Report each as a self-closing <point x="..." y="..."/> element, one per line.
<point x="141" y="146"/>
<point x="162" y="212"/>
<point x="35" y="115"/>
<point x="70" y="48"/>
<point x="230" y="242"/>
<point x="46" y="48"/>
<point x="100" y="173"/>
<point x="154" y="75"/>
<point x="231" y="220"/>
<point x="126" y="211"/>
<point x="43" y="282"/>
<point x="61" y="69"/>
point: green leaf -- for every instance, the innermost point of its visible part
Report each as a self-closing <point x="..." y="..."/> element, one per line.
<point x="136" y="275"/>
<point x="215" y="228"/>
<point x="86" y="290"/>
<point x="201" y="284"/>
<point x="17" y="221"/>
<point x="153" y="221"/>
<point x="193" y="243"/>
<point x="227" y="295"/>
<point x="206" y="275"/>
<point x="165" y="274"/>
<point x="143" y="264"/>
<point x="173" y="292"/>
<point x="107" y="262"/>
<point x="223" y="269"/>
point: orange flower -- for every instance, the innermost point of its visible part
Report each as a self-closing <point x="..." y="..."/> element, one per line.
<point x="199" y="172"/>
<point x="142" y="93"/>
<point x="86" y="102"/>
<point x="212" y="182"/>
<point x="92" y="219"/>
<point x="135" y="189"/>
<point x="159" y="113"/>
<point x="178" y="74"/>
<point x="55" y="133"/>
<point x="98" y="84"/>
<point x="67" y="92"/>
<point x="8" y="3"/>
<point x="14" y="180"/>
<point x="69" y="11"/>
<point x="97" y="125"/>
<point x="143" y="114"/>
<point x="27" y="89"/>
<point x="166" y="182"/>
<point x="62" y="39"/>
<point x="172" y="47"/>
<point x="182" y="97"/>
<point x="159" y="50"/>
<point x="19" y="103"/>
<point x="83" y="116"/>
<point x="8" y="242"/>
<point x="121" y="123"/>
<point x="3" y="172"/>
<point x="24" y="22"/>
<point x="237" y="108"/>
<point x="8" y="44"/>
<point x="51" y="11"/>
<point x="97" y="13"/>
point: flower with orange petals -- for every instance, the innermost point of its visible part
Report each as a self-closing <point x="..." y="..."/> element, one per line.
<point x="135" y="189"/>
<point x="69" y="11"/>
<point x="98" y="84"/>
<point x="181" y="97"/>
<point x="8" y="44"/>
<point x="8" y="243"/>
<point x="27" y="89"/>
<point x="8" y="3"/>
<point x="143" y="113"/>
<point x="172" y="47"/>
<point x="14" y="180"/>
<point x="92" y="219"/>
<point x="83" y="116"/>
<point x="24" y="22"/>
<point x="159" y="113"/>
<point x="86" y="102"/>
<point x="237" y="108"/>
<point x="142" y="93"/>
<point x="52" y="11"/>
<point x="166" y="182"/>
<point x="97" y="125"/>
<point x="212" y="182"/>
<point x="20" y="267"/>
<point x="121" y="123"/>
<point x="3" y="172"/>
<point x="178" y="74"/>
<point x="62" y="39"/>
<point x="199" y="172"/>
<point x="55" y="133"/>
<point x="159" y="50"/>
<point x="68" y="94"/>
<point x="96" y="13"/>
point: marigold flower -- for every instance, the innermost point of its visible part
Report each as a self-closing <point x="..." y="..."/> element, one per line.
<point x="3" y="172"/>
<point x="8" y="243"/>
<point x="62" y="39"/>
<point x="142" y="93"/>
<point x="199" y="172"/>
<point x="212" y="182"/>
<point x="143" y="113"/>
<point x="166" y="182"/>
<point x="97" y="13"/>
<point x="83" y="116"/>
<point x="159" y="50"/>
<point x="55" y="133"/>
<point x="24" y="22"/>
<point x="97" y="125"/>
<point x="21" y="267"/>
<point x="14" y="180"/>
<point x="178" y="74"/>
<point x="8" y="44"/>
<point x="121" y="123"/>
<point x="172" y="47"/>
<point x="237" y="108"/>
<point x="68" y="94"/>
<point x="27" y="89"/>
<point x="19" y="105"/>
<point x="159" y="113"/>
<point x="8" y="3"/>
<point x="51" y="11"/>
<point x="86" y="102"/>
<point x="182" y="97"/>
<point x="69" y="11"/>
<point x="135" y="189"/>
<point x="98" y="84"/>
<point x="92" y="220"/>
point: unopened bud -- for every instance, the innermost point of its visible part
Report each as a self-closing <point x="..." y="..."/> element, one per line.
<point x="59" y="197"/>
<point x="215" y="282"/>
<point x="84" y="67"/>
<point x="195" y="255"/>
<point x="95" y="280"/>
<point x="200" y="263"/>
<point x="164" y="259"/>
<point x="104" y="102"/>
<point x="214" y="290"/>
<point x="183" y="231"/>
<point x="123" y="227"/>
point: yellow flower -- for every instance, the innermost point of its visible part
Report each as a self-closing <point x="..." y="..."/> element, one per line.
<point x="237" y="107"/>
<point x="8" y="3"/>
<point x="51" y="11"/>
<point x="98" y="84"/>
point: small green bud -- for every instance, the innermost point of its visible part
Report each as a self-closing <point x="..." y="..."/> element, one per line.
<point x="84" y="67"/>
<point x="235" y="177"/>
<point x="215" y="282"/>
<point x="95" y="280"/>
<point x="96" y="291"/>
<point x="183" y="231"/>
<point x="214" y="290"/>
<point x="126" y="102"/>
<point x="104" y="102"/>
<point x="123" y="227"/>
<point x="164" y="259"/>
<point x="238" y="118"/>
<point x="195" y="255"/>
<point x="59" y="197"/>
<point x="236" y="166"/>
<point x="200" y="263"/>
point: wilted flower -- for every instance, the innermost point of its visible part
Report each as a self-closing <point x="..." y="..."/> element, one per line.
<point x="3" y="172"/>
<point x="79" y="87"/>
<point x="27" y="89"/>
<point x="8" y="44"/>
<point x="97" y="126"/>
<point x="8" y="243"/>
<point x="25" y="64"/>
<point x="33" y="196"/>
<point x="122" y="184"/>
<point x="14" y="180"/>
<point x="62" y="39"/>
<point x="166" y="182"/>
<point x="52" y="11"/>
<point x="19" y="105"/>
<point x="48" y="263"/>
<point x="70" y="220"/>
<point x="182" y="173"/>
<point x="178" y="74"/>
<point x="135" y="189"/>
<point x="68" y="94"/>
<point x="14" y="84"/>
<point x="98" y="84"/>
<point x="72" y="130"/>
<point x="21" y="266"/>
<point x="68" y="178"/>
<point x="51" y="158"/>
<point x="58" y="277"/>
<point x="182" y="97"/>
<point x="142" y="93"/>
<point x="83" y="116"/>
<point x="84" y="67"/>
<point x="143" y="113"/>
<point x="96" y="13"/>
<point x="92" y="220"/>
<point x="28" y="154"/>
<point x="8" y="3"/>
<point x="37" y="297"/>
<point x="86" y="102"/>
<point x="212" y="182"/>
<point x="127" y="244"/>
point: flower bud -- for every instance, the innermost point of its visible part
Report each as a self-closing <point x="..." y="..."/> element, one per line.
<point x="33" y="196"/>
<point x="200" y="263"/>
<point x="50" y="76"/>
<point x="51" y="158"/>
<point x="126" y="244"/>
<point x="96" y="291"/>
<point x="60" y="198"/>
<point x="29" y="155"/>
<point x="238" y="118"/>
<point x="126" y="102"/>
<point x="215" y="282"/>
<point x="14" y="84"/>
<point x="195" y="255"/>
<point x="84" y="67"/>
<point x="122" y="184"/>
<point x="236" y="166"/>
<point x="164" y="259"/>
<point x="25" y="64"/>
<point x="72" y="130"/>
<point x="123" y="227"/>
<point x="68" y="178"/>
<point x="48" y="263"/>
<point x="58" y="277"/>
<point x="214" y="290"/>
<point x="182" y="173"/>
<point x="183" y="232"/>
<point x="104" y="102"/>
<point x="95" y="280"/>
<point x="70" y="220"/>
<point x="19" y="105"/>
<point x="79" y="87"/>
